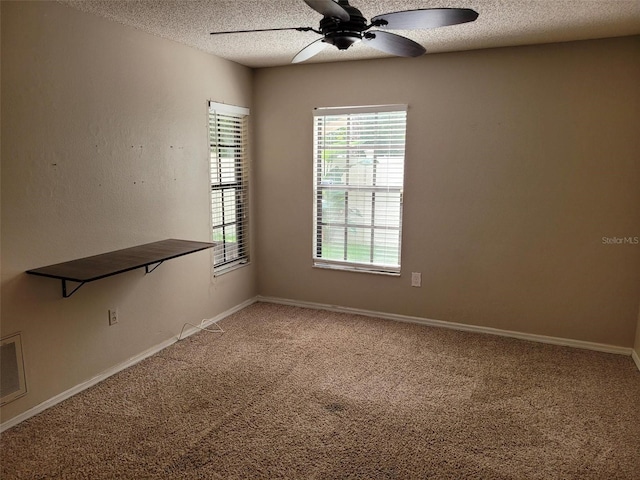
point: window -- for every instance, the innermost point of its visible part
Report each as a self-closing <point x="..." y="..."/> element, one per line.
<point x="229" y="185"/>
<point x="358" y="181"/>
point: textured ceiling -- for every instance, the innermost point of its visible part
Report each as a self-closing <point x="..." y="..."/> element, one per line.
<point x="501" y="23"/>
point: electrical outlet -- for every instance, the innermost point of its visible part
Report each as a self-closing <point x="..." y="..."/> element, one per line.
<point x="113" y="316"/>
<point x="416" y="279"/>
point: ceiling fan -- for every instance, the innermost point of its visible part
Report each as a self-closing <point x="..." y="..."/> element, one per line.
<point x="344" y="25"/>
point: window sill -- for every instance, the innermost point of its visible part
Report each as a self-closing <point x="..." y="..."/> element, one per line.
<point x="357" y="269"/>
<point x="229" y="268"/>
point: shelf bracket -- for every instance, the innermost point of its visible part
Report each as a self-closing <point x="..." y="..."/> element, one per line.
<point x="146" y="267"/>
<point x="66" y="294"/>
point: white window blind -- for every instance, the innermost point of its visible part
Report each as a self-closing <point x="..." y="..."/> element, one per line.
<point x="229" y="175"/>
<point x="358" y="182"/>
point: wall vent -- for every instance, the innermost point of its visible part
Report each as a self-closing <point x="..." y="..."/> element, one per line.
<point x="12" y="383"/>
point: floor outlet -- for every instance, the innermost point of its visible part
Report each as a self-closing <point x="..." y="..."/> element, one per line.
<point x="113" y="316"/>
<point x="416" y="279"/>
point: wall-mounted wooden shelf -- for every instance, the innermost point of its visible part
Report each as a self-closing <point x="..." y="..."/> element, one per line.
<point x="105" y="265"/>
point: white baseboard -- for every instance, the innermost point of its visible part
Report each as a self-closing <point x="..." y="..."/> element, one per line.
<point x="636" y="358"/>
<point x="567" y="342"/>
<point x="112" y="371"/>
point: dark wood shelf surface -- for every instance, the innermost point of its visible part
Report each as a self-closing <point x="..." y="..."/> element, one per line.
<point x="96" y="267"/>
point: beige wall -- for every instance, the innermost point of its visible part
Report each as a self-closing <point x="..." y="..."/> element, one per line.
<point x="105" y="147"/>
<point x="518" y="162"/>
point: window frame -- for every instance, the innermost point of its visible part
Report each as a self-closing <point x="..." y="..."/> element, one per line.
<point x="375" y="226"/>
<point x="226" y="255"/>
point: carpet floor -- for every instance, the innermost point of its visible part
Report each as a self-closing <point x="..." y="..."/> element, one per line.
<point x="296" y="393"/>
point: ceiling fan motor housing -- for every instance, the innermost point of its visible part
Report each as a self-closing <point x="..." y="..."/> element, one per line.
<point x="344" y="34"/>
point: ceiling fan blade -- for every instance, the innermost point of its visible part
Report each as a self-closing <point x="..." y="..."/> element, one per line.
<point x="309" y="51"/>
<point x="426" y="18"/>
<point x="393" y="44"/>
<point x="329" y="8"/>
<point x="299" y="29"/>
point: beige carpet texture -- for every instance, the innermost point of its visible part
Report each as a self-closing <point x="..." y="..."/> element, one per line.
<point x="296" y="393"/>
